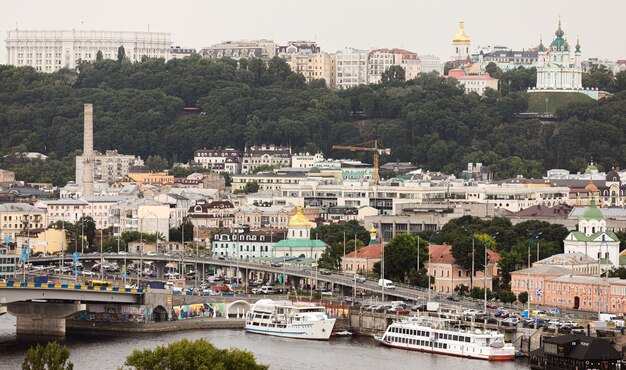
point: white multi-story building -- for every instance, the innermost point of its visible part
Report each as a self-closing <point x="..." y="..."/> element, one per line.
<point x="177" y="52"/>
<point x="306" y="160"/>
<point x="388" y="197"/>
<point x="350" y="68"/>
<point x="49" y="51"/>
<point x="220" y="160"/>
<point x="431" y="63"/>
<point x="143" y="215"/>
<point x="261" y="49"/>
<point x="270" y="155"/>
<point x="110" y="166"/>
<point x="380" y="60"/>
<point x="243" y="244"/>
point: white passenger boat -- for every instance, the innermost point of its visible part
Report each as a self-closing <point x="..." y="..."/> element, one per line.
<point x="441" y="336"/>
<point x="288" y="319"/>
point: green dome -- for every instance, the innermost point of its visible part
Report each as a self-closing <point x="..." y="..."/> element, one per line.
<point x="557" y="43"/>
<point x="591" y="169"/>
<point x="592" y="212"/>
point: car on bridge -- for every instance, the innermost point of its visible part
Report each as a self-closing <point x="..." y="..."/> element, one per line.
<point x="276" y="264"/>
<point x="88" y="273"/>
<point x="360" y="279"/>
<point x="326" y="272"/>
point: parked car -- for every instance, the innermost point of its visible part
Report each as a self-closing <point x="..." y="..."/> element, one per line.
<point x="493" y="306"/>
<point x="452" y="298"/>
<point x="511" y="321"/>
<point x="88" y="273"/>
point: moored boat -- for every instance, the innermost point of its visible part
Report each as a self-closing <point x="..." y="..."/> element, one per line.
<point x="441" y="336"/>
<point x="288" y="319"/>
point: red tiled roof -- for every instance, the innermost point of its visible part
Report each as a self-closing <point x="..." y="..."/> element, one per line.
<point x="443" y="254"/>
<point x="371" y="251"/>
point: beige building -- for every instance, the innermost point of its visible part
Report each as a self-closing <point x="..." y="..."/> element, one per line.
<point x="17" y="217"/>
<point x="7" y="176"/>
<point x="154" y="178"/>
<point x="362" y="260"/>
<point x="314" y="66"/>
<point x="274" y="217"/>
<point x="48" y="241"/>
<point x="448" y="275"/>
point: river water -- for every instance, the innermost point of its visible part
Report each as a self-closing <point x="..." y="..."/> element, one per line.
<point x="104" y="351"/>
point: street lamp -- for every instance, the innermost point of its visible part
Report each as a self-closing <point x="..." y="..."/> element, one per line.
<point x="430" y="238"/>
<point x="533" y="236"/>
<point x="469" y="232"/>
<point x="493" y="237"/>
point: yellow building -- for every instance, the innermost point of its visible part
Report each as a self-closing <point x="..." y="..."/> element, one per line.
<point x="48" y="241"/>
<point x="18" y="217"/>
<point x="314" y="66"/>
<point x="155" y="178"/>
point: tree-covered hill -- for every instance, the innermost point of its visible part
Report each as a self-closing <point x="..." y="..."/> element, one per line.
<point x="429" y="120"/>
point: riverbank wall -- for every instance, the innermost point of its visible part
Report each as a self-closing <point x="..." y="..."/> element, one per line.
<point x="154" y="327"/>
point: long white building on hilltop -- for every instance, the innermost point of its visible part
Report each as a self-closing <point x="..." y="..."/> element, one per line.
<point x="51" y="50"/>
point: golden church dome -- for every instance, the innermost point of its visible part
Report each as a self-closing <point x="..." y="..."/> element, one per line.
<point x="461" y="37"/>
<point x="299" y="220"/>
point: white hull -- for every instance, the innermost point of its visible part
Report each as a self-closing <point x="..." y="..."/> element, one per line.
<point x="488" y="355"/>
<point x="319" y="330"/>
<point x="439" y="336"/>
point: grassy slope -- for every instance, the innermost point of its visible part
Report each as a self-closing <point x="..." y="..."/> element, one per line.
<point x="556" y="100"/>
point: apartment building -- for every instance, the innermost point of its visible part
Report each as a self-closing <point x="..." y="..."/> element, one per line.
<point x="51" y="50"/>
<point x="380" y="60"/>
<point x="350" y="68"/>
<point x="16" y="217"/>
<point x="110" y="166"/>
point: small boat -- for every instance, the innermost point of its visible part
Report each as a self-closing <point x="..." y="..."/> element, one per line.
<point x="287" y="319"/>
<point x="441" y="336"/>
<point x="344" y="333"/>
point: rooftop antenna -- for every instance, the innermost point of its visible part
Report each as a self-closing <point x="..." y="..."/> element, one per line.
<point x="16" y="27"/>
<point x="148" y="27"/>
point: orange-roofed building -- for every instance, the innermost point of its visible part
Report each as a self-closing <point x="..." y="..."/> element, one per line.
<point x="448" y="275"/>
<point x="474" y="83"/>
<point x="363" y="259"/>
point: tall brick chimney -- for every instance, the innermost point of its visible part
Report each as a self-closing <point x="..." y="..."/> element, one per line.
<point x="88" y="151"/>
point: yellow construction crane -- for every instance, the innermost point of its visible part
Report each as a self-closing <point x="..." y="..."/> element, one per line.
<point x="374" y="149"/>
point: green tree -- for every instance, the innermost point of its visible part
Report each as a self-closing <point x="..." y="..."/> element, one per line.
<point x="51" y="357"/>
<point x="111" y="245"/>
<point x="192" y="355"/>
<point x="265" y="168"/>
<point x="506" y="296"/>
<point x="156" y="163"/>
<point x="251" y="187"/>
<point x="401" y="256"/>
<point x="332" y="257"/>
<point x="522" y="297"/>
<point x="333" y="234"/>
<point x="99" y="56"/>
<point x="509" y="262"/>
<point x="121" y="54"/>
<point x="393" y="75"/>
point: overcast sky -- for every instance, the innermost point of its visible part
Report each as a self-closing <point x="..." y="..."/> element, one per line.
<point x="425" y="27"/>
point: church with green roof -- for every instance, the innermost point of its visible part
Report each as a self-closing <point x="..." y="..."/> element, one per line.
<point x="593" y="239"/>
<point x="299" y="242"/>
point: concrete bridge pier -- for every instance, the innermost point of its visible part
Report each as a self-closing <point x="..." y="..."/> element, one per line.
<point x="42" y="318"/>
<point x="160" y="269"/>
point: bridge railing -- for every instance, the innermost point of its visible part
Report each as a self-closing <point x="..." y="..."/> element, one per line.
<point x="12" y="284"/>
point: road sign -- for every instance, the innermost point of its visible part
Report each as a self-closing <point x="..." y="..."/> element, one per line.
<point x="24" y="254"/>
<point x="538" y="293"/>
<point x="7" y="239"/>
<point x="75" y="256"/>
